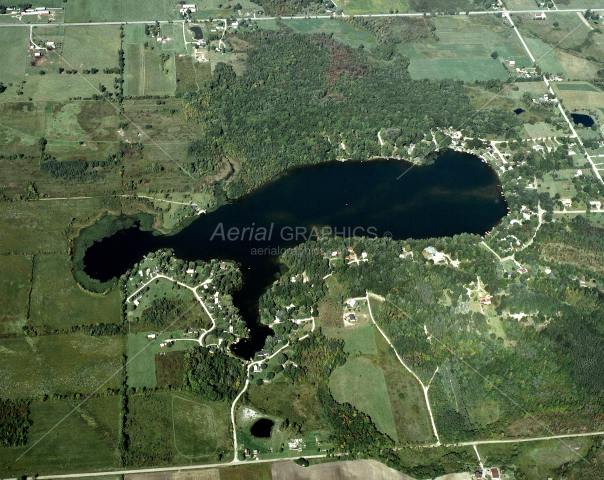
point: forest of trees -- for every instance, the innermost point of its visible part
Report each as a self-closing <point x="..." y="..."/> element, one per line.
<point x="160" y="310"/>
<point x="353" y="431"/>
<point x="14" y="423"/>
<point x="213" y="376"/>
<point x="300" y="97"/>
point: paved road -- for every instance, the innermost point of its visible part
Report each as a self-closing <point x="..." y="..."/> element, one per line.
<point x="300" y="17"/>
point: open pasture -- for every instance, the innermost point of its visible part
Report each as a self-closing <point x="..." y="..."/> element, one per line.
<point x="141" y="352"/>
<point x="91" y="47"/>
<point x="62" y="364"/>
<point x="411" y="417"/>
<point x="361" y="383"/>
<point x="353" y="7"/>
<point x="35" y="227"/>
<point x="464" y="49"/>
<point x="13" y="54"/>
<point x="15" y="286"/>
<point x="165" y="428"/>
<point x="58" y="302"/>
<point x="343" y="32"/>
<point x="537" y="459"/>
<point x="82" y="440"/>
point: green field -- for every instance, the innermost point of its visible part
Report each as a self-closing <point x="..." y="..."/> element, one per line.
<point x="581" y="87"/>
<point x="57" y="302"/>
<point x="411" y="416"/>
<point x="195" y="432"/>
<point x="92" y="47"/>
<point x="261" y="471"/>
<point x="361" y="383"/>
<point x="13" y="54"/>
<point x="68" y="440"/>
<point x="358" y="339"/>
<point x="15" y="287"/>
<point x="353" y="7"/>
<point x="458" y="69"/>
<point x="63" y="87"/>
<point x="165" y="429"/>
<point x="84" y="11"/>
<point x="35" y="227"/>
<point x="463" y="50"/>
<point x="141" y="352"/>
<point x="537" y="459"/>
<point x="145" y="73"/>
<point x="343" y="32"/>
<point x="62" y="364"/>
<point x="545" y="56"/>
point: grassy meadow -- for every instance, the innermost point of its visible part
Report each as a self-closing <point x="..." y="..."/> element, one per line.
<point x="463" y="50"/>
<point x="92" y="47"/>
<point x="411" y="417"/>
<point x="13" y="54"/>
<point x="58" y="302"/>
<point x="353" y="7"/>
<point x="165" y="429"/>
<point x="15" y="288"/>
<point x="61" y="364"/>
<point x="80" y="440"/>
<point x="361" y="383"/>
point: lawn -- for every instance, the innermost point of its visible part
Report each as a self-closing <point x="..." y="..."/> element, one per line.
<point x="62" y="364"/>
<point x="15" y="287"/>
<point x="92" y="47"/>
<point x="361" y="383"/>
<point x="13" y="54"/>
<point x="84" y="439"/>
<point x="58" y="302"/>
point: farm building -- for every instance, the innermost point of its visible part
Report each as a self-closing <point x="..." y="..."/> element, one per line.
<point x="540" y="16"/>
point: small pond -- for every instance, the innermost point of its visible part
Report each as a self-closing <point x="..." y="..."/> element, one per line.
<point x="518" y="111"/>
<point x="584" y="120"/>
<point x="262" y="428"/>
<point x="197" y="33"/>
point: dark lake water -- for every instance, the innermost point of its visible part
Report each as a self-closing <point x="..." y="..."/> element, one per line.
<point x="197" y="33"/>
<point x="585" y="120"/>
<point x="518" y="111"/>
<point x="262" y="428"/>
<point x="457" y="193"/>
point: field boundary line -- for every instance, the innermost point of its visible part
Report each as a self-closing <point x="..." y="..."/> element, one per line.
<point x="120" y="110"/>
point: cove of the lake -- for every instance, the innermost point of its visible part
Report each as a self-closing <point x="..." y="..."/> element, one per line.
<point x="458" y="193"/>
